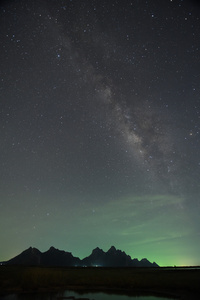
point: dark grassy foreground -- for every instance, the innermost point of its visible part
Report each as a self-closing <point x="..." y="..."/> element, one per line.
<point x="167" y="280"/>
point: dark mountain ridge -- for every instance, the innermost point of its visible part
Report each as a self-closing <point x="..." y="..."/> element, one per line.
<point x="61" y="258"/>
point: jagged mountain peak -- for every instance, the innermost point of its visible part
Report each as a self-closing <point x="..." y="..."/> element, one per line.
<point x="56" y="257"/>
<point x="31" y="250"/>
<point x="112" y="249"/>
<point x="52" y="249"/>
<point x="97" y="250"/>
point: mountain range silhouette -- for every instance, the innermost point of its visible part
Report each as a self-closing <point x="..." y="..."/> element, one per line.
<point x="98" y="258"/>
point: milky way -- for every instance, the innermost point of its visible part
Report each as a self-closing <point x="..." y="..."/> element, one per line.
<point x="142" y="127"/>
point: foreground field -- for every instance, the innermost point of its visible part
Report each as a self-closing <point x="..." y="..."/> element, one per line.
<point x="25" y="279"/>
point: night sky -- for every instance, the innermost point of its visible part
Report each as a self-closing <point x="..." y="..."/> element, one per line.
<point x="100" y="127"/>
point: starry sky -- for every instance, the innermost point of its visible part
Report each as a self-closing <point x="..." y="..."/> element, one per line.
<point x="100" y="127"/>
